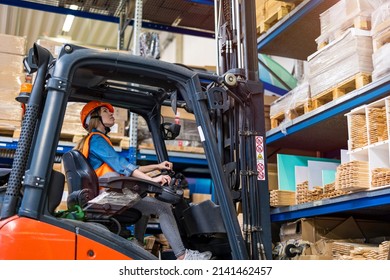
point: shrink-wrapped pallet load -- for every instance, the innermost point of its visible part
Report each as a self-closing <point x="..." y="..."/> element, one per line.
<point x="344" y="15"/>
<point x="381" y="35"/>
<point x="335" y="65"/>
<point x="291" y="105"/>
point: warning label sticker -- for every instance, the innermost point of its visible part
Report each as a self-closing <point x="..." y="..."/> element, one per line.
<point x="260" y="158"/>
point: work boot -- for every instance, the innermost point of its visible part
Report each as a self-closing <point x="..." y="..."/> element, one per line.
<point x="196" y="255"/>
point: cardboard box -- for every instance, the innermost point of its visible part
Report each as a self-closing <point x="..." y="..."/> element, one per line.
<point x="13" y="44"/>
<point x="11" y="81"/>
<point x="121" y="114"/>
<point x="332" y="228"/>
<point x="167" y="112"/>
<point x="309" y="229"/>
<point x="73" y="128"/>
<point x="10" y="108"/>
<point x="272" y="176"/>
<point x="11" y="111"/>
<point x="320" y="248"/>
<point x="200" y="197"/>
<point x="11" y="63"/>
<point x="118" y="129"/>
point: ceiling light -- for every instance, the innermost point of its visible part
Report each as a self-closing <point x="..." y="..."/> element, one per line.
<point x="177" y="21"/>
<point x="69" y="19"/>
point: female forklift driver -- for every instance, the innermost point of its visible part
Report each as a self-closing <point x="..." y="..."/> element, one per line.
<point x="97" y="118"/>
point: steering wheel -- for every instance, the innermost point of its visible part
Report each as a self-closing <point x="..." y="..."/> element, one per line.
<point x="173" y="192"/>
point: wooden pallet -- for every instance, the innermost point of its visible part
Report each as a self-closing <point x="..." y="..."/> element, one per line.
<point x="299" y="110"/>
<point x="355" y="82"/>
<point x="272" y="19"/>
<point x="381" y="39"/>
<point x="277" y="120"/>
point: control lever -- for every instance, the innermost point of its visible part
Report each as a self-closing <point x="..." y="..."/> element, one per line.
<point x="168" y="172"/>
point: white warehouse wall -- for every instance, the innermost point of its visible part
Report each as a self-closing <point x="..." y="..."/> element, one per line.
<point x="188" y="50"/>
<point x="199" y="51"/>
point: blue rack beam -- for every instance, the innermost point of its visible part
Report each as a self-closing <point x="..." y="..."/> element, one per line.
<point x="274" y="89"/>
<point x="197" y="160"/>
<point x="350" y="202"/>
<point x="175" y="158"/>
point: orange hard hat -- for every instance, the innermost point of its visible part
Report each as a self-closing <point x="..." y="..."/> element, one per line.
<point x="91" y="106"/>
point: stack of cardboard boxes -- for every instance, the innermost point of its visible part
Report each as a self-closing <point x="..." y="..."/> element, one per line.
<point x="12" y="75"/>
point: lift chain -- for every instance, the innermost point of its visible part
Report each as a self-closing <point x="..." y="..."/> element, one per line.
<point x="248" y="133"/>
<point x="248" y="173"/>
<point x="249" y="229"/>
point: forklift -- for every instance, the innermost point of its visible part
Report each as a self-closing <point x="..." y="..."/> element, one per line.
<point x="228" y="109"/>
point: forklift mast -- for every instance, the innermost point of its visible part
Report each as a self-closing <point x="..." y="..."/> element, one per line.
<point x="240" y="126"/>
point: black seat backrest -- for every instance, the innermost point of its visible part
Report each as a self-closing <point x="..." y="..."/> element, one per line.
<point x="56" y="188"/>
<point x="83" y="185"/>
<point x="79" y="173"/>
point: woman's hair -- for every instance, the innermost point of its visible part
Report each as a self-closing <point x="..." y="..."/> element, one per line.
<point x="93" y="123"/>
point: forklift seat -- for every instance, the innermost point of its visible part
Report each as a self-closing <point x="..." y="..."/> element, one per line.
<point x="112" y="205"/>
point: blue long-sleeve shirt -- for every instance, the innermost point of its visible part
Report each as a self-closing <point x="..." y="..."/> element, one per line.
<point x="100" y="151"/>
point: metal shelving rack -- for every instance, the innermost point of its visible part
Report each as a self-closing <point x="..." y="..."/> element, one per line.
<point x="325" y="128"/>
<point x="307" y="129"/>
<point x="10" y="144"/>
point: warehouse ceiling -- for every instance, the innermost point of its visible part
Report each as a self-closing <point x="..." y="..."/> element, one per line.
<point x="96" y="22"/>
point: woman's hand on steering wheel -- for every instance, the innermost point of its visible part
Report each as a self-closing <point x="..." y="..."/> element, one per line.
<point x="162" y="179"/>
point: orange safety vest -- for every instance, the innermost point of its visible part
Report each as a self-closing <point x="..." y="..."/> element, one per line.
<point x="104" y="168"/>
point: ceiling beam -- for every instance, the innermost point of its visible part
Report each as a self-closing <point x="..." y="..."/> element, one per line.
<point x="113" y="19"/>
